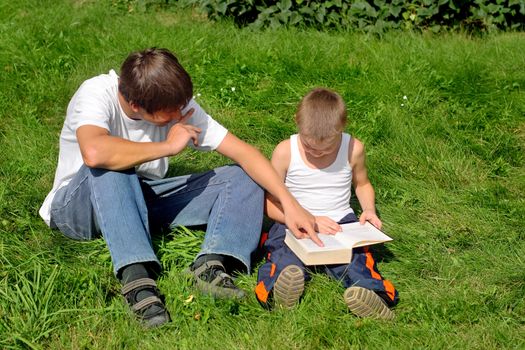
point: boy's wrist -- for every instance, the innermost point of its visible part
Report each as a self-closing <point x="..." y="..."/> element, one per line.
<point x="287" y="201"/>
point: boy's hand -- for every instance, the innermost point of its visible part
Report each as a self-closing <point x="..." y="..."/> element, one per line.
<point x="370" y="216"/>
<point x="323" y="224"/>
<point x="181" y="133"/>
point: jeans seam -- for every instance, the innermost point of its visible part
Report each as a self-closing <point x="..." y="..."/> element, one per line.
<point x="221" y="204"/>
<point x="97" y="209"/>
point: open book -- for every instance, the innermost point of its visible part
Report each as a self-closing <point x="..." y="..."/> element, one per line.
<point x="337" y="248"/>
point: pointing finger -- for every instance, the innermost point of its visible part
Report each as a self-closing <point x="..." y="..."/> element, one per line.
<point x="315" y="238"/>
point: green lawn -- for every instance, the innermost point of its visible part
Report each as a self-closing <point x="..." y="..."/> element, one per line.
<point x="447" y="162"/>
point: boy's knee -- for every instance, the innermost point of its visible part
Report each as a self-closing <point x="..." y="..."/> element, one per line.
<point x="118" y="179"/>
<point x="96" y="172"/>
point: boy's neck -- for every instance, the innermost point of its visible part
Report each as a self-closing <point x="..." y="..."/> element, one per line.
<point x="126" y="107"/>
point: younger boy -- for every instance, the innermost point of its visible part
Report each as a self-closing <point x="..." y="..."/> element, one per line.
<point x="114" y="147"/>
<point x="319" y="166"/>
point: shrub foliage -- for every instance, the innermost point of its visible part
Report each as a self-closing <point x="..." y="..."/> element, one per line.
<point x="374" y="16"/>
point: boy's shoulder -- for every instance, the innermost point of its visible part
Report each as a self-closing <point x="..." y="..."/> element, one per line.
<point x="282" y="147"/>
<point x="284" y="143"/>
<point x="356" y="150"/>
<point x="282" y="152"/>
<point x="355" y="144"/>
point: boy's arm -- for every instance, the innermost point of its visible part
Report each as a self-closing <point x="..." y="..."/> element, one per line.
<point x="363" y="188"/>
<point x="297" y="219"/>
<point x="101" y="150"/>
<point x="280" y="162"/>
<point x="273" y="208"/>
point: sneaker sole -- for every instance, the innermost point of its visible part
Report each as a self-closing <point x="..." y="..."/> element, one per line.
<point x="289" y="287"/>
<point x="365" y="303"/>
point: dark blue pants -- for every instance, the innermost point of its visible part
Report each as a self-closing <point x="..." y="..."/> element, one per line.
<point x="361" y="271"/>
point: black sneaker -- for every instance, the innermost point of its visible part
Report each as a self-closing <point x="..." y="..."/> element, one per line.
<point x="211" y="278"/>
<point x="150" y="310"/>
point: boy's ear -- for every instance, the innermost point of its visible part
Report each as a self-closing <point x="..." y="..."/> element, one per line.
<point x="134" y="107"/>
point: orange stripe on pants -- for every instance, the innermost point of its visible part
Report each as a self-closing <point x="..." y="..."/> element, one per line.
<point x="390" y="290"/>
<point x="261" y="292"/>
<point x="272" y="271"/>
<point x="389" y="287"/>
<point x="370" y="265"/>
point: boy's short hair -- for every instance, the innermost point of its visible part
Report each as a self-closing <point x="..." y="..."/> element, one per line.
<point x="155" y="80"/>
<point x="321" y="114"/>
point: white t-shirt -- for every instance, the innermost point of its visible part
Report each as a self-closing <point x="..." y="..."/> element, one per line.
<point x="96" y="103"/>
<point x="323" y="192"/>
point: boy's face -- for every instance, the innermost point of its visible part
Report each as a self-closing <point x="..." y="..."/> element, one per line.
<point x="161" y="118"/>
<point x="318" y="149"/>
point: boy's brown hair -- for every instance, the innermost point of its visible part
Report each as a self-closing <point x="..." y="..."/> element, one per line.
<point x="155" y="80"/>
<point x="321" y="114"/>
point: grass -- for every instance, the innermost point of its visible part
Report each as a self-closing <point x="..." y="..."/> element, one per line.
<point x="447" y="163"/>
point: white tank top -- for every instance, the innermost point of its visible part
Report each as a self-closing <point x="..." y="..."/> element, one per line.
<point x="323" y="192"/>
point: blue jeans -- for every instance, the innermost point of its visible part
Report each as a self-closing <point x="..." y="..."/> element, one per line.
<point x="125" y="209"/>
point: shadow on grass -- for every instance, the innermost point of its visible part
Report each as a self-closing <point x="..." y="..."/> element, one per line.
<point x="382" y="253"/>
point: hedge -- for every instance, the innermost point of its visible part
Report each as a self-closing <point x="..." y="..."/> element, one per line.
<point x="373" y="15"/>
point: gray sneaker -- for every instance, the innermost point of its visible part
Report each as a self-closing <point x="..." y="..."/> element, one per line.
<point x="211" y="278"/>
<point x="289" y="287"/>
<point x="366" y="303"/>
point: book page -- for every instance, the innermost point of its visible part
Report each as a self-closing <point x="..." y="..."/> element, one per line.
<point x="330" y="243"/>
<point x="355" y="235"/>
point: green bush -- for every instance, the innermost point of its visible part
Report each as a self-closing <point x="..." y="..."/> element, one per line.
<point x="372" y="15"/>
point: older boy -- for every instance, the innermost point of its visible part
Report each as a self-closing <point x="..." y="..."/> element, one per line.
<point x="319" y="166"/>
<point x="118" y="133"/>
